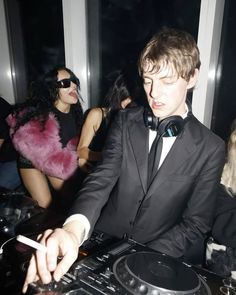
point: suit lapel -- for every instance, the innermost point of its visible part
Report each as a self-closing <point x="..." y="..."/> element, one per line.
<point x="138" y="133"/>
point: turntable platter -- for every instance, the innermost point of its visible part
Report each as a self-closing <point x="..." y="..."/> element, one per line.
<point x="154" y="273"/>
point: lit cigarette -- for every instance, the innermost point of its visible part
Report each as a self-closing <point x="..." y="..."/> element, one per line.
<point x="31" y="243"/>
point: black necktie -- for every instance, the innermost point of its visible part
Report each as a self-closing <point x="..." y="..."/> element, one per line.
<point x="154" y="157"/>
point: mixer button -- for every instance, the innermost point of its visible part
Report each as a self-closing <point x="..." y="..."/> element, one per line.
<point x="143" y="289"/>
<point x="132" y="282"/>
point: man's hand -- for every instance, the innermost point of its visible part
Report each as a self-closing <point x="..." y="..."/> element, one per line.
<point x="62" y="243"/>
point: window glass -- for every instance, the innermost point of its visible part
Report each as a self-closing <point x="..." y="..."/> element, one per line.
<point x="43" y="35"/>
<point x="224" y="109"/>
<point x="38" y="26"/>
<point x="124" y="27"/>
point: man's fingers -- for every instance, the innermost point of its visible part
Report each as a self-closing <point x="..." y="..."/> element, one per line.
<point x="31" y="274"/>
<point x="52" y="252"/>
<point x="64" y="265"/>
<point x="63" y="242"/>
<point x="41" y="261"/>
<point x="44" y="265"/>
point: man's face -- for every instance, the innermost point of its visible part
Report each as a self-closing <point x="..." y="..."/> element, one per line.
<point x="166" y="93"/>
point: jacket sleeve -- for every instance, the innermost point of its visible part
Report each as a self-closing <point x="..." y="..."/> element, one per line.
<point x="198" y="214"/>
<point x="100" y="182"/>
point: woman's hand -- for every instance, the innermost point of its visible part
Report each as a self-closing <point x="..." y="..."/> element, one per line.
<point x="84" y="165"/>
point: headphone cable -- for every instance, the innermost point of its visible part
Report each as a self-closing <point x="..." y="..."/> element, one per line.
<point x="1" y="247"/>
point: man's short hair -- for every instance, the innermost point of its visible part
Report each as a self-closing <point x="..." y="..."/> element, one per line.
<point x="170" y="47"/>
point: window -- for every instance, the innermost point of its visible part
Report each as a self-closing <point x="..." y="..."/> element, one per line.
<point x="36" y="39"/>
<point x="224" y="109"/>
<point x="118" y="30"/>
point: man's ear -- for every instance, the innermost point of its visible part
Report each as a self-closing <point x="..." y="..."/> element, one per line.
<point x="193" y="79"/>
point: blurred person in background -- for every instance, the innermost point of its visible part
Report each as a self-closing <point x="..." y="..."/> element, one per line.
<point x="97" y="123"/>
<point x="221" y="247"/>
<point x="9" y="174"/>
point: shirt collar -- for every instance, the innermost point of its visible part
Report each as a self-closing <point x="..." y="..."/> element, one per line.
<point x="186" y="112"/>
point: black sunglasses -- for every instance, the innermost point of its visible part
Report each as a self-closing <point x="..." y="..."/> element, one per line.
<point x="65" y="83"/>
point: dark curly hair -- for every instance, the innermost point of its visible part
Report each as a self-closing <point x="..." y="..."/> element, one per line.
<point x="42" y="96"/>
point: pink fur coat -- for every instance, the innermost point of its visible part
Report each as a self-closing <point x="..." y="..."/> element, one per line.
<point x="43" y="147"/>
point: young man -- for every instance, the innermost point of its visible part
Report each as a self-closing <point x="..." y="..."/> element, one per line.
<point x="168" y="208"/>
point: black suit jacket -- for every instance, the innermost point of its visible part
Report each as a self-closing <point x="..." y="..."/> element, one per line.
<point x="177" y="208"/>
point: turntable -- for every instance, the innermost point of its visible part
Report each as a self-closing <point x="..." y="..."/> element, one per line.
<point x="156" y="274"/>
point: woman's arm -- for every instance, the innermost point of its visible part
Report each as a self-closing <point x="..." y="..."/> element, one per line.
<point x="1" y="142"/>
<point x="90" y="126"/>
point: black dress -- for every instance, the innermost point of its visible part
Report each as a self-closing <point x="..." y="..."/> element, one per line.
<point x="99" y="138"/>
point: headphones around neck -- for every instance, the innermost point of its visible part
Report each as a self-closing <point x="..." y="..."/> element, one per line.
<point x="171" y="126"/>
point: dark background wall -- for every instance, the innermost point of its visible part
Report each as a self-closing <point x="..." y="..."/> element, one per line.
<point x="124" y="28"/>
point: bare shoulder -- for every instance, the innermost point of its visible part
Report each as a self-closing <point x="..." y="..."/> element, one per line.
<point x="95" y="116"/>
<point x="95" y="112"/>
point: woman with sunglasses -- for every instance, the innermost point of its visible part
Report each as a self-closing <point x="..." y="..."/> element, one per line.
<point x="45" y="131"/>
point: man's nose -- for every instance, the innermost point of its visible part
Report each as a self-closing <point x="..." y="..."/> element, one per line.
<point x="156" y="90"/>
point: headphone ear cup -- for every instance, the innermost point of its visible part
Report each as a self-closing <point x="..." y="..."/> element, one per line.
<point x="150" y="120"/>
<point x="171" y="126"/>
<point x="147" y="117"/>
<point x="155" y="123"/>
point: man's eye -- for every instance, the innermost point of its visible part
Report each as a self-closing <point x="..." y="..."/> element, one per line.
<point x="146" y="82"/>
<point x="169" y="81"/>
